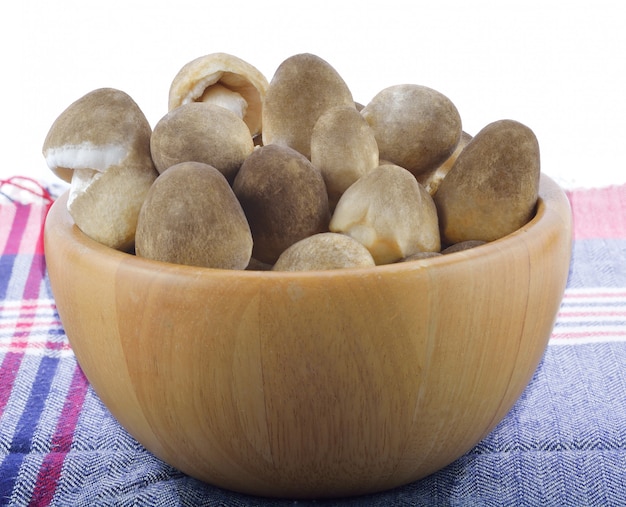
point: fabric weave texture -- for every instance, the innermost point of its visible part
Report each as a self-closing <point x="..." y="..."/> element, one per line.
<point x="563" y="442"/>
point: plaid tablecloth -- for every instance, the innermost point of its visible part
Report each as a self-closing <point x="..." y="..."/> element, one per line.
<point x="562" y="444"/>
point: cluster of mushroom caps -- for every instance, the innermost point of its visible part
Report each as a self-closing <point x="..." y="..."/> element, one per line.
<point x="292" y="174"/>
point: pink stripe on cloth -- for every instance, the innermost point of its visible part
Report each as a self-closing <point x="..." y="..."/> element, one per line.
<point x="599" y="213"/>
<point x="8" y="372"/>
<point x="22" y="229"/>
<point x="52" y="465"/>
<point x="7" y="218"/>
<point x="12" y="360"/>
<point x="595" y="294"/>
<point x="591" y="315"/>
<point x="24" y="237"/>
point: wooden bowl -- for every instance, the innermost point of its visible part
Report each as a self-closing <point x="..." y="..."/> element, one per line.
<point x="313" y="384"/>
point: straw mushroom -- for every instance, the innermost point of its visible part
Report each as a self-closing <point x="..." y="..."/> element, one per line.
<point x="303" y="87"/>
<point x="201" y="132"/>
<point x="390" y="213"/>
<point x="326" y="250"/>
<point x="101" y="145"/>
<point x="225" y="80"/>
<point x="284" y="198"/>
<point x="343" y="148"/>
<point x="492" y="189"/>
<point x="191" y="216"/>
<point x="416" y="127"/>
<point x="432" y="179"/>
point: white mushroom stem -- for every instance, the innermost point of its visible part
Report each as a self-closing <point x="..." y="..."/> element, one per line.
<point x="82" y="179"/>
<point x="226" y="98"/>
<point x="86" y="156"/>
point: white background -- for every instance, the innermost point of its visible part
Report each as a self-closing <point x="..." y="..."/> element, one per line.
<point x="558" y="67"/>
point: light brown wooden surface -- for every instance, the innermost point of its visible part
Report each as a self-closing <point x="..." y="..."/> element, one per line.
<point x="313" y="384"/>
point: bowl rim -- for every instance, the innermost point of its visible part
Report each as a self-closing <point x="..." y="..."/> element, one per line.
<point x="549" y="195"/>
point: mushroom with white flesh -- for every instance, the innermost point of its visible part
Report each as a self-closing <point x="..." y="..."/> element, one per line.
<point x="201" y="132"/>
<point x="343" y="148"/>
<point x="390" y="213"/>
<point x="323" y="251"/>
<point x="225" y="80"/>
<point x="101" y="145"/>
<point x="433" y="178"/>
<point x="415" y="127"/>
<point x="303" y="87"/>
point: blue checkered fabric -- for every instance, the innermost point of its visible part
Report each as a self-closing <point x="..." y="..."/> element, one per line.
<point x="562" y="444"/>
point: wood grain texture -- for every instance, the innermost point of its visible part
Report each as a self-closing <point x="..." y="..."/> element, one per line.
<point x="313" y="384"/>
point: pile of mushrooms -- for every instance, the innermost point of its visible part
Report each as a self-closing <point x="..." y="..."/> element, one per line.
<point x="292" y="174"/>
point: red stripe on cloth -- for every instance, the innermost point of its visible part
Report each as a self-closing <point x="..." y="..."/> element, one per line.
<point x="15" y="185"/>
<point x="14" y="232"/>
<point x="47" y="479"/>
<point x="599" y="213"/>
<point x="12" y="361"/>
<point x="33" y="242"/>
<point x="7" y="218"/>
<point x="35" y="321"/>
<point x="36" y="240"/>
<point x="52" y="465"/>
<point x="592" y="295"/>
<point x="588" y="334"/>
<point x="592" y="314"/>
<point x="36" y="275"/>
<point x="25" y="217"/>
<point x="8" y="372"/>
<point x="26" y="231"/>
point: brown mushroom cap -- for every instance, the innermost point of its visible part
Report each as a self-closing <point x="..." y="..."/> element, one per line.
<point x="191" y="216"/>
<point x="303" y="87"/>
<point x="343" y="148"/>
<point x="101" y="144"/>
<point x="201" y="132"/>
<point x="284" y="198"/>
<point x="416" y="127"/>
<point x="326" y="250"/>
<point x="237" y="80"/>
<point x="492" y="188"/>
<point x="97" y="131"/>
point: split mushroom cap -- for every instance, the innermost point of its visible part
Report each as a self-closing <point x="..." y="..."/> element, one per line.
<point x="201" y="132"/>
<point x="225" y="80"/>
<point x="303" y="87"/>
<point x="493" y="186"/>
<point x="101" y="145"/>
<point x="416" y="127"/>
<point x="432" y="179"/>
<point x="390" y="213"/>
<point x="191" y="216"/>
<point x="284" y="198"/>
<point x="323" y="251"/>
<point x="343" y="148"/>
